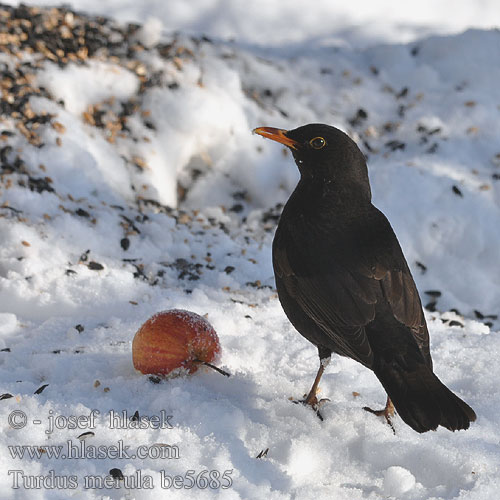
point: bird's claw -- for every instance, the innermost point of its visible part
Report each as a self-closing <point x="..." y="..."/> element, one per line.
<point x="387" y="413"/>
<point x="313" y="402"/>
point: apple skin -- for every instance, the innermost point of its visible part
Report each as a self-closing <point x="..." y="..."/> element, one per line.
<point x="173" y="340"/>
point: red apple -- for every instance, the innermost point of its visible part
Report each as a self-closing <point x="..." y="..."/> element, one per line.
<point x="174" y="339"/>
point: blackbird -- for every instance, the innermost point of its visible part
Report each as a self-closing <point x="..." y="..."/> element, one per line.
<point x="344" y="283"/>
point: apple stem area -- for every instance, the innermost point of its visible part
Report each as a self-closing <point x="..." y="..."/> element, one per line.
<point x="216" y="368"/>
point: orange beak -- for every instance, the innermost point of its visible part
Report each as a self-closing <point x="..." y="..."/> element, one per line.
<point x="276" y="134"/>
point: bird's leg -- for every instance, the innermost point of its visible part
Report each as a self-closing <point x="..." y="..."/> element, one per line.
<point x="387" y="412"/>
<point x="311" y="398"/>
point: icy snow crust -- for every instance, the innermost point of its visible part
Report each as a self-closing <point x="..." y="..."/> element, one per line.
<point x="177" y="209"/>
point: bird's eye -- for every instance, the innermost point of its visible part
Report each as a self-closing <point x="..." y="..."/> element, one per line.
<point x="317" y="143"/>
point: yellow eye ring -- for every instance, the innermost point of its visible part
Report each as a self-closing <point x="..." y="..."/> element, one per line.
<point x="317" y="143"/>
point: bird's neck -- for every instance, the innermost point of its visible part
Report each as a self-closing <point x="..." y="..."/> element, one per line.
<point x="324" y="195"/>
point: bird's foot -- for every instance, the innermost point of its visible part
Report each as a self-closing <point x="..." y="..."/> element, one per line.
<point x="313" y="402"/>
<point x="387" y="413"/>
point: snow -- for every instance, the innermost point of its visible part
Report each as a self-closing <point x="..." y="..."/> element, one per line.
<point x="196" y="197"/>
<point x="358" y="22"/>
<point x="81" y="86"/>
<point x="150" y="32"/>
<point x="397" y="481"/>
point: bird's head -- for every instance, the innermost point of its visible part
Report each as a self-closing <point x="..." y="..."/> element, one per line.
<point x="323" y="153"/>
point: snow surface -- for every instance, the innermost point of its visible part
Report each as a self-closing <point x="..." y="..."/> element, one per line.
<point x="430" y="124"/>
<point x="298" y="22"/>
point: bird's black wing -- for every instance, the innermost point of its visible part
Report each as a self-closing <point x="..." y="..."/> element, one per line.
<point x="338" y="274"/>
<point x="390" y="268"/>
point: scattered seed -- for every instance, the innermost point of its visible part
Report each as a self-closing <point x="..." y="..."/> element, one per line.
<point x="6" y="395"/>
<point x="358" y="119"/>
<point x="431" y="306"/>
<point x="433" y="148"/>
<point x="395" y="145"/>
<point x="40" y="184"/>
<point x="237" y="208"/>
<point x="59" y="127"/>
<point x="85" y="255"/>
<point x="457" y="191"/>
<point x="402" y="93"/>
<point x="125" y="243"/>
<point x="139" y="162"/>
<point x="85" y="435"/>
<point x="41" y="389"/>
<point x="116" y="474"/>
<point x="82" y="213"/>
<point x="254" y="284"/>
<point x="95" y="266"/>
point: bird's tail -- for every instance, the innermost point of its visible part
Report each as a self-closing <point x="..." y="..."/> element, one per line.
<point x="421" y="399"/>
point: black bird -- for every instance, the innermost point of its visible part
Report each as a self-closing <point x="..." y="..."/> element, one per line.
<point x="344" y="283"/>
